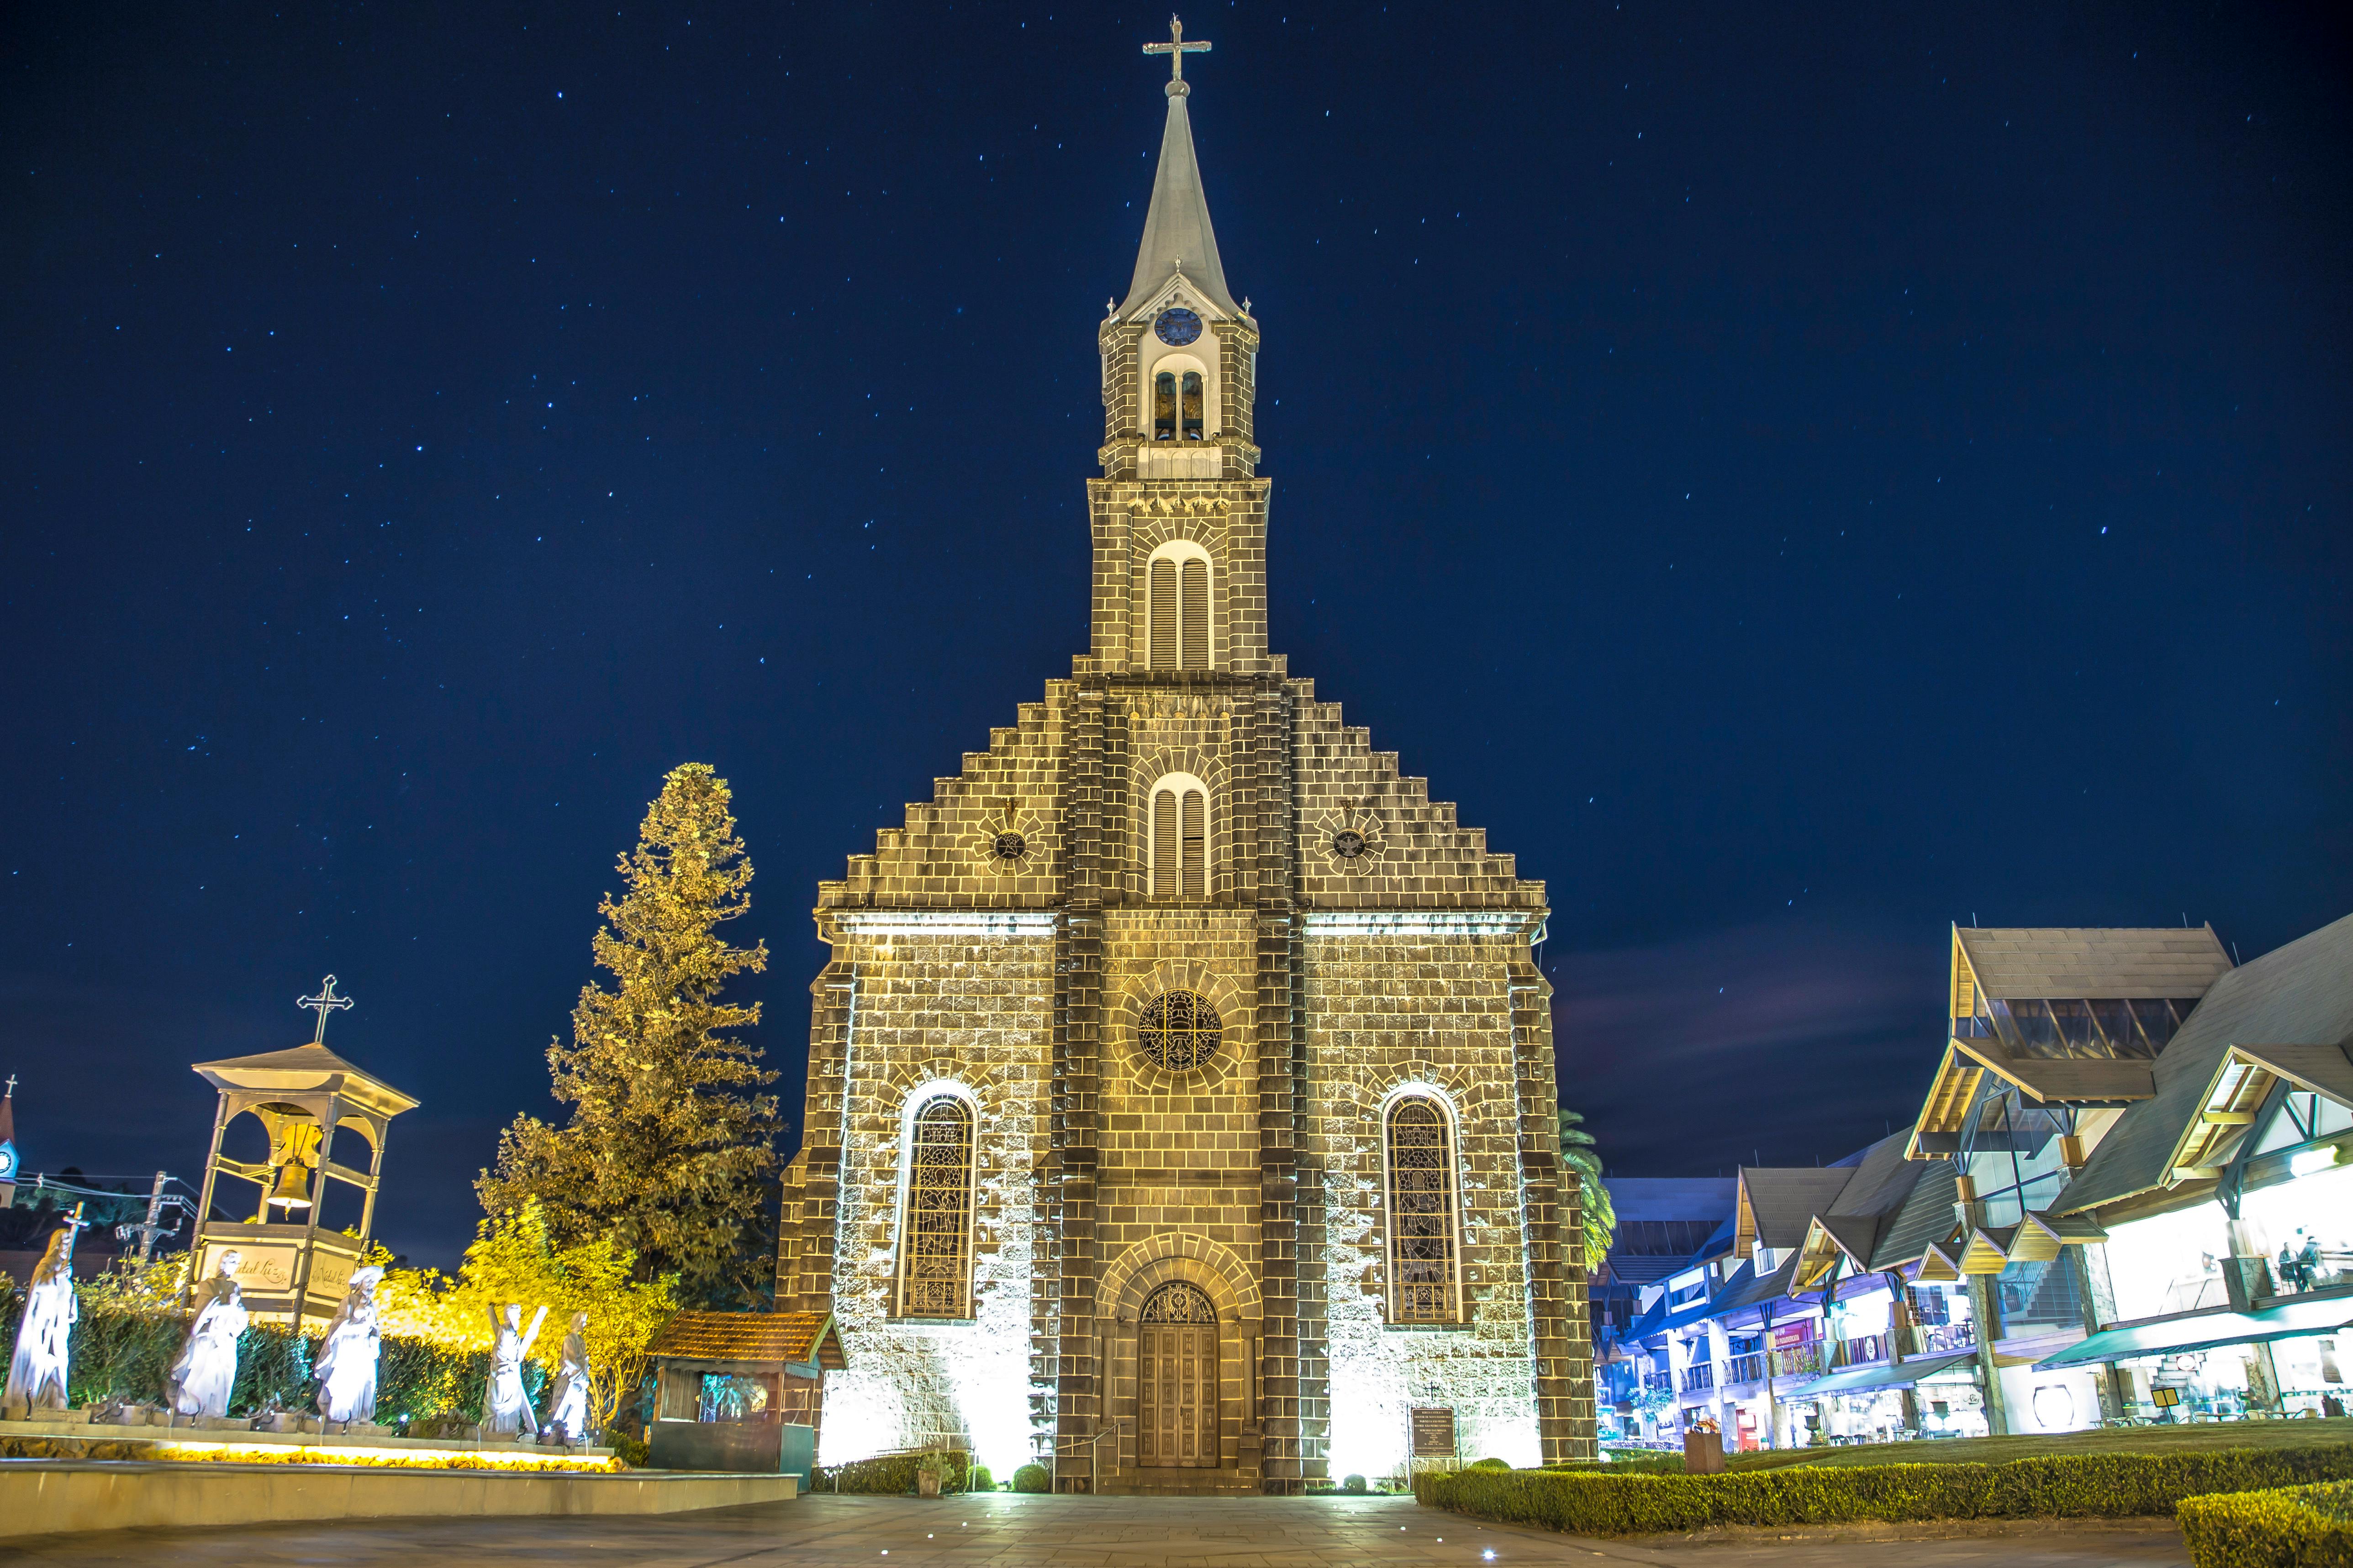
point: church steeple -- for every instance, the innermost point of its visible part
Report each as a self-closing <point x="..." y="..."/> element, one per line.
<point x="1177" y="232"/>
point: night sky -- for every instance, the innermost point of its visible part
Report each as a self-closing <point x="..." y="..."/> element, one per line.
<point x="1796" y="480"/>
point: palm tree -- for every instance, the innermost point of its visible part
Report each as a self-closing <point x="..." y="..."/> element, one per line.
<point x="1578" y="1152"/>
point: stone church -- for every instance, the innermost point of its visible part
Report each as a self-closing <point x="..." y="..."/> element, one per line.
<point x="1180" y="1103"/>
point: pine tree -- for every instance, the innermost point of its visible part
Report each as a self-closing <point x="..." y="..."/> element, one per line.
<point x="669" y="1148"/>
<point x="1578" y="1152"/>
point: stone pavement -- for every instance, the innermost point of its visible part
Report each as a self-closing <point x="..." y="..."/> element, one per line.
<point x="1000" y="1531"/>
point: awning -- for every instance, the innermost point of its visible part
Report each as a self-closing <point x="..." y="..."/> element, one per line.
<point x="2205" y="1330"/>
<point x="1890" y="1375"/>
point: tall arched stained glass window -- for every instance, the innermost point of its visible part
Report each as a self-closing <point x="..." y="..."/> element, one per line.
<point x="1192" y="406"/>
<point x="1425" y="1279"/>
<point x="936" y="1221"/>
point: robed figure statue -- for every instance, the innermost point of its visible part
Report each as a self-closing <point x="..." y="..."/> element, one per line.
<point x="348" y="1356"/>
<point x="202" y="1378"/>
<point x="36" y="1373"/>
<point x="567" y="1412"/>
<point x="510" y="1407"/>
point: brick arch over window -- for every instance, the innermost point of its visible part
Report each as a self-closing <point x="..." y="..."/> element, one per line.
<point x="1422" y="1189"/>
<point x="1177" y="836"/>
<point x="1179" y="580"/>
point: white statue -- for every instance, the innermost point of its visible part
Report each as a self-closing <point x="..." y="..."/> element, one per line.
<point x="567" y="1411"/>
<point x="36" y="1373"/>
<point x="348" y="1356"/>
<point x="509" y="1411"/>
<point x="201" y="1379"/>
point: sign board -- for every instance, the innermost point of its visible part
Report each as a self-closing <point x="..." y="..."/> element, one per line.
<point x="1433" y="1433"/>
<point x="1793" y="1336"/>
<point x="267" y="1268"/>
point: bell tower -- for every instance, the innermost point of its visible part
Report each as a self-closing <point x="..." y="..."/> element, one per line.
<point x="1180" y="515"/>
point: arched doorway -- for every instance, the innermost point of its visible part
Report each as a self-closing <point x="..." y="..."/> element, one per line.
<point x="1176" y="1379"/>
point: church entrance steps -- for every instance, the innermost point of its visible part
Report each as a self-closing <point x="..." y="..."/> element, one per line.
<point x="1176" y="1482"/>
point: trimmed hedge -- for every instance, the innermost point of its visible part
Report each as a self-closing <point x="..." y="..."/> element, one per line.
<point x="2300" y="1526"/>
<point x="895" y="1474"/>
<point x="123" y="1354"/>
<point x="1033" y="1479"/>
<point x="2057" y="1487"/>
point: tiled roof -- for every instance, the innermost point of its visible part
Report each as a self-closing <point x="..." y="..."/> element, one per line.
<point x="2094" y="962"/>
<point x="796" y="1337"/>
<point x="2300" y="994"/>
<point x="1925" y="1218"/>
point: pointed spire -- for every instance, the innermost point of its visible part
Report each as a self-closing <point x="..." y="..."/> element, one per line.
<point x="1177" y="233"/>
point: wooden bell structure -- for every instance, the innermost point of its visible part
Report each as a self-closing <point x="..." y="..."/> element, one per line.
<point x="291" y="1267"/>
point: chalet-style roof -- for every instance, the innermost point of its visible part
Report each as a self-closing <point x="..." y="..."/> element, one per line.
<point x="793" y="1338"/>
<point x="1747" y="1288"/>
<point x="2299" y="995"/>
<point x="2093" y="962"/>
<point x="1925" y="1218"/>
<point x="1778" y="1201"/>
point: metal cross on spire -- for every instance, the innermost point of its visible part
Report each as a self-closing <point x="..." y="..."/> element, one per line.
<point x="1177" y="49"/>
<point x="324" y="1003"/>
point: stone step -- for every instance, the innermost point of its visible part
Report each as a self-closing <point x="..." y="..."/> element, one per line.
<point x="1175" y="1482"/>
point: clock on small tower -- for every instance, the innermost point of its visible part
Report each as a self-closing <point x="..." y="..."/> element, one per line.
<point x="1176" y="327"/>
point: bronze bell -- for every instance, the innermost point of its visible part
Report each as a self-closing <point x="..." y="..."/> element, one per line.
<point x="293" y="1188"/>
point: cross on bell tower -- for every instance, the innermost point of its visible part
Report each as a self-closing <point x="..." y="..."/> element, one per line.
<point x="1177" y="49"/>
<point x="323" y="1004"/>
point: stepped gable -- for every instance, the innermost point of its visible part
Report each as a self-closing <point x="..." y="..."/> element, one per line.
<point x="1416" y="854"/>
<point x="946" y="853"/>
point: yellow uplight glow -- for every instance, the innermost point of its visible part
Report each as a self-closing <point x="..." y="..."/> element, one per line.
<point x="449" y="1459"/>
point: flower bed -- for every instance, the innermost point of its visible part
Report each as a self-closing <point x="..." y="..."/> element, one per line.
<point x="2297" y="1527"/>
<point x="2065" y="1487"/>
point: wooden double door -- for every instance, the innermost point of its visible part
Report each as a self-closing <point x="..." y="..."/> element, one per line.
<point x="1177" y="1368"/>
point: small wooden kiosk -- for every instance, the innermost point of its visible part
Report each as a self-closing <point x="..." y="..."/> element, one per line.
<point x="290" y="1267"/>
<point x="741" y="1391"/>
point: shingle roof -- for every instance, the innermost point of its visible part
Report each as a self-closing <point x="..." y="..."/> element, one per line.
<point x="795" y="1337"/>
<point x="2300" y="994"/>
<point x="2093" y="962"/>
<point x="1925" y="1218"/>
<point x="1777" y="1203"/>
<point x="1750" y="1288"/>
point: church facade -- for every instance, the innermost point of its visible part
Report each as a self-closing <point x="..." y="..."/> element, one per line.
<point x="1180" y="1109"/>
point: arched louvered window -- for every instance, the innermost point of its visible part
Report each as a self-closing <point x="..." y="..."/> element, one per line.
<point x="1192" y="406"/>
<point x="935" y="1214"/>
<point x="1180" y="836"/>
<point x="1163" y="405"/>
<point x="1425" y="1277"/>
<point x="1177" y="608"/>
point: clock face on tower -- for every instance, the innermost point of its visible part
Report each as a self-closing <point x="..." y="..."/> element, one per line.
<point x="7" y="1160"/>
<point x="1177" y="327"/>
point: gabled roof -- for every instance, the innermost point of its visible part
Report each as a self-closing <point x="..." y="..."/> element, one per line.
<point x="2298" y="995"/>
<point x="1925" y="1218"/>
<point x="1177" y="232"/>
<point x="2093" y="962"/>
<point x="1778" y="1201"/>
<point x="793" y="1338"/>
<point x="1750" y="1289"/>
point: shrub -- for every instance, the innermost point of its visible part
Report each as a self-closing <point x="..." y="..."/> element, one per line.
<point x="2061" y="1487"/>
<point x="1353" y="1484"/>
<point x="1032" y="1478"/>
<point x="1493" y="1464"/>
<point x="895" y="1473"/>
<point x="978" y="1480"/>
<point x="2301" y="1527"/>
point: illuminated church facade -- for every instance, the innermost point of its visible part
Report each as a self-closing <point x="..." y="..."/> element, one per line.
<point x="1181" y="1108"/>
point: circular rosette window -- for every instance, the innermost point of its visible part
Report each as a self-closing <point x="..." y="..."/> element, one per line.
<point x="1009" y="841"/>
<point x="1350" y="842"/>
<point x="1179" y="1030"/>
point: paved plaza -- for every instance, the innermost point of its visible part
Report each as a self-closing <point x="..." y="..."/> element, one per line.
<point x="999" y="1531"/>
